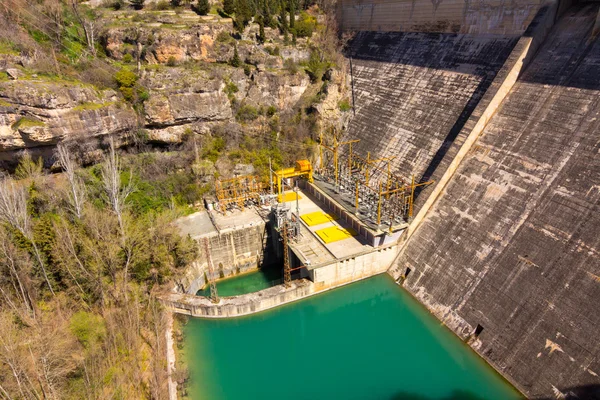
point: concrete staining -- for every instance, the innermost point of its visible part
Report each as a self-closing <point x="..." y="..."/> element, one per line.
<point x="413" y="92"/>
<point x="237" y="244"/>
<point x="513" y="242"/>
<point x="483" y="16"/>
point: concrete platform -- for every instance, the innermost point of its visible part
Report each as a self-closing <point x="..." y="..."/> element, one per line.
<point x="310" y="248"/>
<point x="199" y="224"/>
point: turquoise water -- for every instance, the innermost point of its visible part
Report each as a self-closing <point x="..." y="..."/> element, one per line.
<point x="368" y="340"/>
<point x="246" y="283"/>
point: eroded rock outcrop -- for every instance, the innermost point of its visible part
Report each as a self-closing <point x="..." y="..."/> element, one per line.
<point x="41" y="113"/>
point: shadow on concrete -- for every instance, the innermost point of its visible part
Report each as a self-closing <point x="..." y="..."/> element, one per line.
<point x="570" y="46"/>
<point x="587" y="392"/>
<point x="452" y="134"/>
<point x="459" y="53"/>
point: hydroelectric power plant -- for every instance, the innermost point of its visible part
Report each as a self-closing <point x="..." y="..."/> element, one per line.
<point x="469" y="174"/>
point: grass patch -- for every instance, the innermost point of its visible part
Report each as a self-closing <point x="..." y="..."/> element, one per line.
<point x="26" y="122"/>
<point x="7" y="47"/>
<point x="4" y="104"/>
<point x="92" y="106"/>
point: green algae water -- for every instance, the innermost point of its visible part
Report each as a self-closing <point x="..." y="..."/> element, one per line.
<point x="368" y="340"/>
<point x="246" y="283"/>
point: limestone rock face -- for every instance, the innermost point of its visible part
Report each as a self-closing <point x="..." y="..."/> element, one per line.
<point x="42" y="113"/>
<point x="180" y="96"/>
<point x="278" y="89"/>
<point x="198" y="42"/>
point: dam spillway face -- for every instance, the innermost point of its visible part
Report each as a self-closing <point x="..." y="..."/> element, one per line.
<point x="413" y="92"/>
<point x="507" y="251"/>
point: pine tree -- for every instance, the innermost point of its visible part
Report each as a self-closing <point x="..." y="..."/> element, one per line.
<point x="229" y="6"/>
<point x="261" y="30"/>
<point x="243" y="14"/>
<point x="266" y="14"/>
<point x="203" y="7"/>
<point x="283" y="26"/>
<point x="235" y="60"/>
<point x="292" y="14"/>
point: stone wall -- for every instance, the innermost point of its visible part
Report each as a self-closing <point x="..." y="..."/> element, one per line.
<point x="512" y="242"/>
<point x="478" y="17"/>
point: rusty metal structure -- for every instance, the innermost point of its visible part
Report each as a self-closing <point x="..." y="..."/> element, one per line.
<point x="239" y="192"/>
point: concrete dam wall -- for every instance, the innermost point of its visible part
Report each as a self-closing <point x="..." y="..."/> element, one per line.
<point x="512" y="243"/>
<point x="457" y="16"/>
<point x="413" y="93"/>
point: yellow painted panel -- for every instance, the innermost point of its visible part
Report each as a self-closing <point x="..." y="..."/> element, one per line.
<point x="318" y="218"/>
<point x="335" y="233"/>
<point x="288" y="196"/>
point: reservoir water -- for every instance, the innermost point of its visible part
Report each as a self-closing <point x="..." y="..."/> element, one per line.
<point x="368" y="340"/>
<point x="246" y="283"/>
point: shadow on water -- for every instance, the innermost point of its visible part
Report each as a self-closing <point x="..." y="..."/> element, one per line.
<point x="455" y="395"/>
<point x="588" y="392"/>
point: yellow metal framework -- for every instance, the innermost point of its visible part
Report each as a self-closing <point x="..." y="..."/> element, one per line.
<point x="394" y="198"/>
<point x="238" y="192"/>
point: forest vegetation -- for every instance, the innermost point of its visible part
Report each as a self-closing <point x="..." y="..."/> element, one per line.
<point x="86" y="247"/>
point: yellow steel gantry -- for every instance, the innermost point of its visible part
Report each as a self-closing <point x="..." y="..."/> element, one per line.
<point x="303" y="168"/>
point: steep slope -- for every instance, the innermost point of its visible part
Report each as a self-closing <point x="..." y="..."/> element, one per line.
<point x="514" y="242"/>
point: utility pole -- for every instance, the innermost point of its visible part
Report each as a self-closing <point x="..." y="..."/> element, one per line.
<point x="287" y="273"/>
<point x="214" y="296"/>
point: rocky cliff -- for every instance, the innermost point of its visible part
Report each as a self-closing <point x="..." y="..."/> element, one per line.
<point x="184" y="76"/>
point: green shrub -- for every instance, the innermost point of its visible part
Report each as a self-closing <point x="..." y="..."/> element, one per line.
<point x="271" y="110"/>
<point x="344" y="105"/>
<point x="88" y="328"/>
<point x="316" y="66"/>
<point x="225" y="37"/>
<point x="128" y="93"/>
<point x="247" y="113"/>
<point x="172" y="61"/>
<point x="306" y="25"/>
<point x="273" y="51"/>
<point x="230" y="89"/>
<point x="229" y="6"/>
<point x="247" y="69"/>
<point x="213" y="149"/>
<point x="290" y="65"/>
<point x="125" y="78"/>
<point x="203" y="7"/>
<point x="127" y="58"/>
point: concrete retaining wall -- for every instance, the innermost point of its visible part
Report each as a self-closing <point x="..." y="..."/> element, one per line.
<point x="353" y="268"/>
<point x="456" y="16"/>
<point x="197" y="306"/>
<point x="233" y="252"/>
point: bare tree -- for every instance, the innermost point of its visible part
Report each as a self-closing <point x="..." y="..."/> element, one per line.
<point x="111" y="178"/>
<point x="13" y="210"/>
<point x="77" y="188"/>
<point x="89" y="27"/>
<point x="9" y="258"/>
